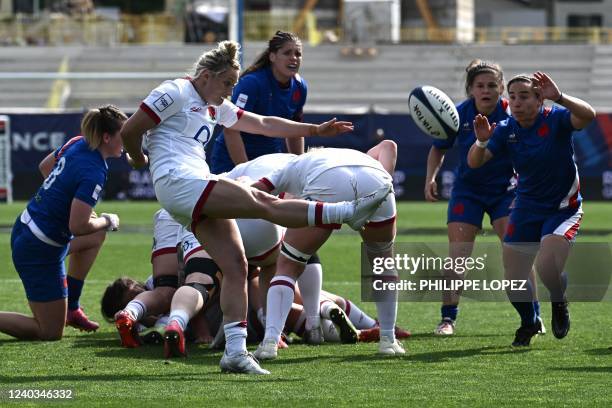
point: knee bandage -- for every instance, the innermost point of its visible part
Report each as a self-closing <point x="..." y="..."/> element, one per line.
<point x="206" y="266"/>
<point x="170" y="281"/>
<point x="294" y="254"/>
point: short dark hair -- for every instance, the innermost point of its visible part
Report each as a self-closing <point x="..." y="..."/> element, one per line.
<point x="112" y="299"/>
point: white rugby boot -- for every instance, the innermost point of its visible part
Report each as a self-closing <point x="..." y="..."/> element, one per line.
<point x="267" y="350"/>
<point x="366" y="206"/>
<point x="390" y="348"/>
<point x="243" y="363"/>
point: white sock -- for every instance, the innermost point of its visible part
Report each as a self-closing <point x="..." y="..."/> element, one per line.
<point x="235" y="338"/>
<point x="136" y="308"/>
<point x="278" y="305"/>
<point x="181" y="317"/>
<point x="310" y="288"/>
<point x="312" y="322"/>
<point x="330" y="332"/>
<point x="387" y="313"/>
<point x="358" y="317"/>
<point x="162" y="321"/>
<point x="326" y="306"/>
<point x="329" y="213"/>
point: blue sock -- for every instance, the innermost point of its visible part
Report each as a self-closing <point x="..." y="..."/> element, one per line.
<point x="526" y="311"/>
<point x="75" y="287"/>
<point x="449" y="312"/>
<point x="536" y="307"/>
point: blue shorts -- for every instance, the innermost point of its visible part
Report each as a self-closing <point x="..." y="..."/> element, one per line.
<point x="526" y="225"/>
<point x="469" y="209"/>
<point x="39" y="265"/>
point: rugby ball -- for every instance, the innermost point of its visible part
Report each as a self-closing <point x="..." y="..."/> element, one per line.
<point x="433" y="112"/>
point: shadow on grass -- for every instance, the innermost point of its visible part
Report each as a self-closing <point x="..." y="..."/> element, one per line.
<point x="162" y="377"/>
<point x="586" y="369"/>
<point x="599" y="351"/>
<point x="443" y="356"/>
<point x="429" y="336"/>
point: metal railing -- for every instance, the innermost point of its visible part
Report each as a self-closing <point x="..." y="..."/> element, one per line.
<point x="58" y="29"/>
<point x="510" y="35"/>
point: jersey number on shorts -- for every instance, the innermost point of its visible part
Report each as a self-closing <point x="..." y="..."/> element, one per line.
<point x="57" y="170"/>
<point x="198" y="135"/>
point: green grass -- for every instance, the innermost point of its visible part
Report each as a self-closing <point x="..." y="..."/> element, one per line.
<point x="475" y="368"/>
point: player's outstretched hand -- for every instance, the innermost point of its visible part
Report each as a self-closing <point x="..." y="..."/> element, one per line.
<point x="549" y="89"/>
<point x="113" y="221"/>
<point x="137" y="162"/>
<point x="333" y="127"/>
<point x="482" y="128"/>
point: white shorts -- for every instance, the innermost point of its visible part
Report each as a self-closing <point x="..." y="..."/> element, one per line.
<point x="184" y="198"/>
<point x="259" y="237"/>
<point x="349" y="182"/>
<point x="166" y="234"/>
<point x="189" y="244"/>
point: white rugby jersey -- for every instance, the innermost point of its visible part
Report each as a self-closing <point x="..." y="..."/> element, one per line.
<point x="185" y="123"/>
<point x="260" y="167"/>
<point x="302" y="170"/>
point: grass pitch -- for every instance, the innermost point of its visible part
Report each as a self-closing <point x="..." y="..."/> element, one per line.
<point x="476" y="367"/>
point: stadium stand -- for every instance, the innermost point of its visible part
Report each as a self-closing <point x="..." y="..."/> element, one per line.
<point x="124" y="74"/>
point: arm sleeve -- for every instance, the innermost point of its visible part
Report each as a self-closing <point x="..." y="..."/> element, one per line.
<point x="90" y="188"/>
<point x="564" y="116"/>
<point x="163" y="102"/>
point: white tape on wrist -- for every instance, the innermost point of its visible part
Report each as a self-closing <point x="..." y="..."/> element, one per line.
<point x="482" y="144"/>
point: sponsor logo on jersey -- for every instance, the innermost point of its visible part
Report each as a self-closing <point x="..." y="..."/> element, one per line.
<point x="196" y="108"/>
<point x="242" y="100"/>
<point x="512" y="138"/>
<point x="96" y="192"/>
<point x="163" y="102"/>
<point x="466" y="127"/>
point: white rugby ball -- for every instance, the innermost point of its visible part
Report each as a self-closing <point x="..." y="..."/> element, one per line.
<point x="433" y="112"/>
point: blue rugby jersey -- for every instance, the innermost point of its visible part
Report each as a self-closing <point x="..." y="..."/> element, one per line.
<point x="259" y="92"/>
<point x="494" y="177"/>
<point x="543" y="157"/>
<point x="79" y="172"/>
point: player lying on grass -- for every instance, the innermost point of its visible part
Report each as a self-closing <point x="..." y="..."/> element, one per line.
<point x="151" y="329"/>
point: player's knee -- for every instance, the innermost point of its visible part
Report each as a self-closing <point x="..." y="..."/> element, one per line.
<point x="340" y="303"/>
<point x="51" y="334"/>
<point x="389" y="145"/>
<point x="202" y="274"/>
<point x="263" y="202"/>
<point x="235" y="267"/>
